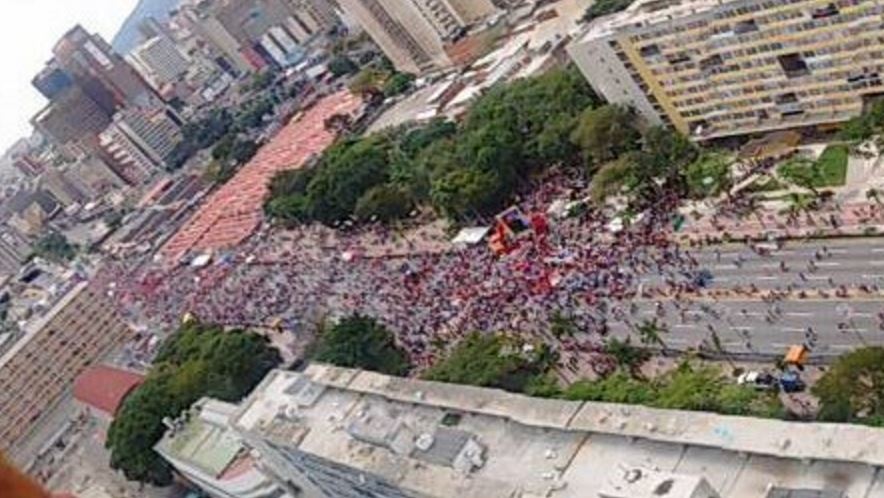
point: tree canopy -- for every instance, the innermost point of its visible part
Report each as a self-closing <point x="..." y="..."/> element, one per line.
<point x="54" y="246"/>
<point x="463" y="171"/>
<point x="688" y="387"/>
<point x="200" y="360"/>
<point x="361" y="342"/>
<point x="852" y="389"/>
<point x="489" y="360"/>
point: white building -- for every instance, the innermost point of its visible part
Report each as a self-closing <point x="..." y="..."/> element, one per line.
<point x="205" y="450"/>
<point x="159" y="61"/>
<point x="331" y="432"/>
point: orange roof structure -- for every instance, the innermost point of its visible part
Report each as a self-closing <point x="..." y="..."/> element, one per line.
<point x="104" y="388"/>
<point x="233" y="212"/>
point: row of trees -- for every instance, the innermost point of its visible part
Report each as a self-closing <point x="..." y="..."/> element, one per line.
<point x="200" y="360"/>
<point x="505" y="362"/>
<point x="227" y="130"/>
<point x="851" y="390"/>
<point x="463" y="171"/>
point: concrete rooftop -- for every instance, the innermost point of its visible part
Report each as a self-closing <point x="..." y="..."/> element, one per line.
<point x="451" y="440"/>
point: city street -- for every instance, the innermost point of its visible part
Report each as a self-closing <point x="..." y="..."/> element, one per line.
<point x="747" y="324"/>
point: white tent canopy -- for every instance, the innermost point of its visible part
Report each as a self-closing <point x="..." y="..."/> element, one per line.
<point x="470" y="236"/>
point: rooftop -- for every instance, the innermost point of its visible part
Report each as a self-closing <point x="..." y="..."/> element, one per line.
<point x="643" y="13"/>
<point x="203" y="440"/>
<point x="466" y="441"/>
<point x="104" y="387"/>
<point x="233" y="212"/>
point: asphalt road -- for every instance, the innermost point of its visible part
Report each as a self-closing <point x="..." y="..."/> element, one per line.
<point x="745" y="325"/>
<point x="811" y="265"/>
<point x="758" y="327"/>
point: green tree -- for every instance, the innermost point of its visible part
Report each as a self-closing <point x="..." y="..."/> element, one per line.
<point x="606" y="132"/>
<point x="361" y="342"/>
<point x="709" y="175"/>
<point x="618" y="387"/>
<point x="627" y="356"/>
<point x="384" y="203"/>
<point x="341" y="65"/>
<point x="346" y="172"/>
<point x="54" y="246"/>
<point x="852" y="389"/>
<point x="468" y="193"/>
<point x="200" y="360"/>
<point x="368" y="80"/>
<point x="650" y="332"/>
<point x="805" y="173"/>
<point x="491" y="361"/>
<point x="601" y="8"/>
<point x="397" y="84"/>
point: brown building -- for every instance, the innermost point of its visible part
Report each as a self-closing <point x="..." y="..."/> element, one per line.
<point x="39" y="368"/>
<point x="72" y="117"/>
<point x="414" y="33"/>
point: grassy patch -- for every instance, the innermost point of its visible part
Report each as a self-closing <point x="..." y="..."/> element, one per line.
<point x="830" y="170"/>
<point x="833" y="163"/>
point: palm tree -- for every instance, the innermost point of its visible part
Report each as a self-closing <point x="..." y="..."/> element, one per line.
<point x="650" y="332"/>
<point x="719" y="347"/>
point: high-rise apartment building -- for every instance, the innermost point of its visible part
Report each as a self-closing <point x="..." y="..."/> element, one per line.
<point x="55" y="348"/>
<point x="414" y="33"/>
<point x="721" y="68"/>
<point x="159" y="61"/>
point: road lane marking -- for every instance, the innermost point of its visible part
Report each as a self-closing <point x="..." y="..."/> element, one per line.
<point x="828" y="264"/>
<point x="767" y="277"/>
<point x="793" y="329"/>
<point x="684" y="326"/>
<point x="876" y="263"/>
<point x="799" y="313"/>
<point x="878" y="249"/>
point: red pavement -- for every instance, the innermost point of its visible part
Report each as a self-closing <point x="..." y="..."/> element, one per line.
<point x="233" y="212"/>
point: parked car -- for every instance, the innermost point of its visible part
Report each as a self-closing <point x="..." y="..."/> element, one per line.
<point x="761" y="381"/>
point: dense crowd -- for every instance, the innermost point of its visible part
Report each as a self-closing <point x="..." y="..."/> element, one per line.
<point x="575" y="267"/>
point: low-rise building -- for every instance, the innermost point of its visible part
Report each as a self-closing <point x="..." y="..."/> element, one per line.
<point x="204" y="448"/>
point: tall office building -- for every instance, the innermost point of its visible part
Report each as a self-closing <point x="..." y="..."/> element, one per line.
<point x="103" y="74"/>
<point x="723" y="68"/>
<point x="159" y="61"/>
<point x="414" y="33"/>
<point x="72" y="117"/>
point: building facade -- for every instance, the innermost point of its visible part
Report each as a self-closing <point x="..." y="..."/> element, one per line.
<point x="14" y="250"/>
<point x="55" y="348"/>
<point x="72" y="118"/>
<point x="91" y="63"/>
<point x="724" y="68"/>
<point x="414" y="33"/>
<point x="159" y="61"/>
